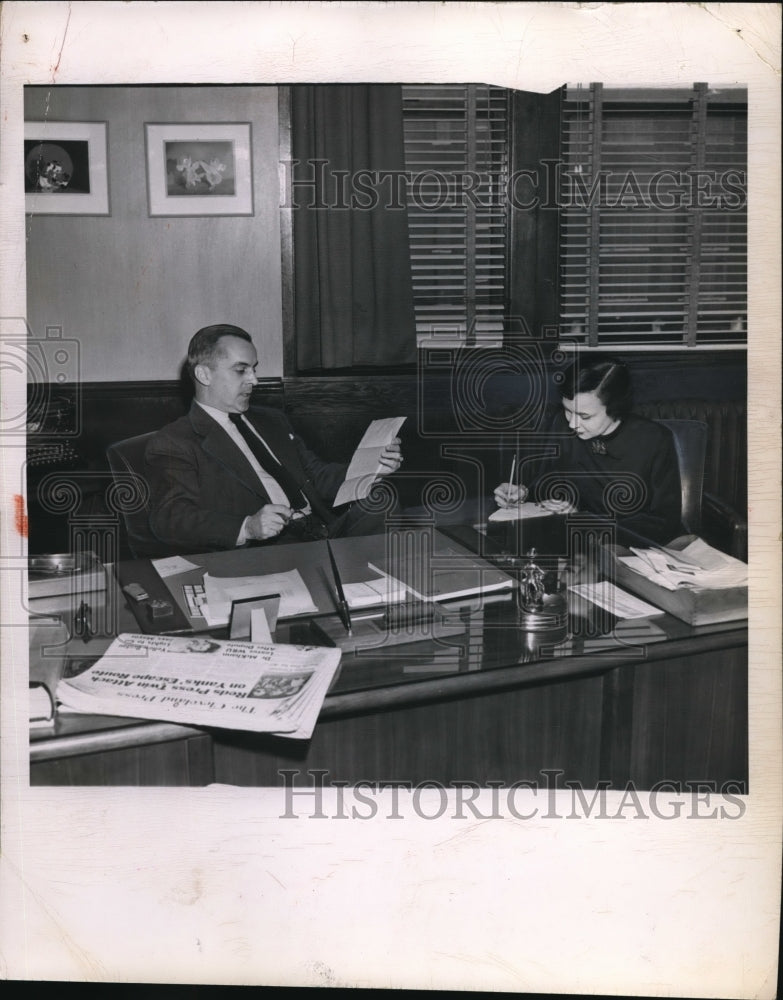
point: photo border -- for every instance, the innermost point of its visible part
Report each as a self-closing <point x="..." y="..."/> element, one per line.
<point x="221" y="890"/>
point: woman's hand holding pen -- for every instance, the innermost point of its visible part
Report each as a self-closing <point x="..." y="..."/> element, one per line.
<point x="508" y="495"/>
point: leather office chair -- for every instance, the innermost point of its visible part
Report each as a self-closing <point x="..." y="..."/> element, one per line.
<point x="702" y="513"/>
<point x="690" y="441"/>
<point x="126" y="461"/>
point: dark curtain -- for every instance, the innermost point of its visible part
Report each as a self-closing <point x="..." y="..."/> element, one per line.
<point x="353" y="291"/>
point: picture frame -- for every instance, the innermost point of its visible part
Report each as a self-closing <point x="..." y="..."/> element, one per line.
<point x="66" y="168"/>
<point x="199" y="169"/>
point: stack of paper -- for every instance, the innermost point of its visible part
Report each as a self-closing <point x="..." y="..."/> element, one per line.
<point x="444" y="575"/>
<point x="698" y="565"/>
<point x="617" y="602"/>
<point x="372" y="593"/>
<point x="200" y="681"/>
<point x="220" y="591"/>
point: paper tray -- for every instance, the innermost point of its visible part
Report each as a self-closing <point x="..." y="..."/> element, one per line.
<point x="696" y="606"/>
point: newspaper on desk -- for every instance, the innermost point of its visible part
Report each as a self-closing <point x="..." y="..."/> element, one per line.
<point x="200" y="681"/>
<point x="698" y="565"/>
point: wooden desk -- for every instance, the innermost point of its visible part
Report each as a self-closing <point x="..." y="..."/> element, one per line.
<point x="484" y="705"/>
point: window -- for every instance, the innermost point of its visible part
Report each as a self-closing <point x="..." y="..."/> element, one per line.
<point x="456" y="157"/>
<point x="653" y="239"/>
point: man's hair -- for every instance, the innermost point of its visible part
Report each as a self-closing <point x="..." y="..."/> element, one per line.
<point x="204" y="346"/>
<point x="607" y="377"/>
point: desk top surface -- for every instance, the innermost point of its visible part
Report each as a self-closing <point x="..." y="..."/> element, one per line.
<point x="432" y="651"/>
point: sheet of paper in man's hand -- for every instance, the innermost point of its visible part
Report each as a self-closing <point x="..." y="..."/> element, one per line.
<point x="365" y="464"/>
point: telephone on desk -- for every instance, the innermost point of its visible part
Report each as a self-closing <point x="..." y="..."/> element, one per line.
<point x="49" y="431"/>
<point x="44" y="454"/>
<point x="52" y="450"/>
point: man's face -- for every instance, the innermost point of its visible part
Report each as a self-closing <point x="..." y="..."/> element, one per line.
<point x="587" y="416"/>
<point x="228" y="381"/>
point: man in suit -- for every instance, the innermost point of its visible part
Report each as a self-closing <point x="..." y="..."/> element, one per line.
<point x="221" y="477"/>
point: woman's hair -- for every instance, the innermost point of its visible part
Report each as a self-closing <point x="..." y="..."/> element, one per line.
<point x="607" y="377"/>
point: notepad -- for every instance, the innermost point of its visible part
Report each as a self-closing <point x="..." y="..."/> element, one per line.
<point x="446" y="576"/>
<point x="617" y="602"/>
<point x="381" y="590"/>
<point x="295" y="598"/>
<point x="520" y="512"/>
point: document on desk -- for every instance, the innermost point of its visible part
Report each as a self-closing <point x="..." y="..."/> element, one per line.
<point x="200" y="681"/>
<point x="365" y="464"/>
<point x="171" y="566"/>
<point x="219" y="591"/>
<point x="617" y="602"/>
<point x="372" y="593"/>
<point x="449" y="573"/>
<point x="521" y="511"/>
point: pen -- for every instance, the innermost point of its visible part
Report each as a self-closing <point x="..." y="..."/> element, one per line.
<point x="342" y="604"/>
<point x="82" y="624"/>
<point x="512" y="474"/>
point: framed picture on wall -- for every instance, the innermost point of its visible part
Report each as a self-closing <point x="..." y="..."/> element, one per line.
<point x="66" y="168"/>
<point x="202" y="169"/>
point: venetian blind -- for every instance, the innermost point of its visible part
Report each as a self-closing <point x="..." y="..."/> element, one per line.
<point x="653" y="245"/>
<point x="456" y="160"/>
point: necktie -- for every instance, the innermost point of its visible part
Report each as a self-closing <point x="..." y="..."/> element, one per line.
<point x="265" y="459"/>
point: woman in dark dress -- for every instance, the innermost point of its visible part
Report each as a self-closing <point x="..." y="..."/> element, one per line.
<point x="605" y="460"/>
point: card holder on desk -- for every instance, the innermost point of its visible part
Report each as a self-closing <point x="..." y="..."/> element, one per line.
<point x="142" y="572"/>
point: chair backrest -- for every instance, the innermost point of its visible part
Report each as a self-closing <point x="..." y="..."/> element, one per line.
<point x="126" y="461"/>
<point x="690" y="440"/>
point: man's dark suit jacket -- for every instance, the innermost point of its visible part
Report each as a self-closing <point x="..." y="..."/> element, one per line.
<point x="202" y="487"/>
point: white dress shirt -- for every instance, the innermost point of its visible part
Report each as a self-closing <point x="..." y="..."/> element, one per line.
<point x="274" y="490"/>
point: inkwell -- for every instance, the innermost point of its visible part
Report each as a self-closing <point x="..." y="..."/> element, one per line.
<point x="539" y="609"/>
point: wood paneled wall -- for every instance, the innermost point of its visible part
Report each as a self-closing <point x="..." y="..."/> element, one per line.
<point x="331" y="414"/>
